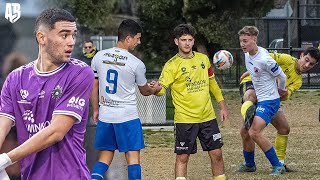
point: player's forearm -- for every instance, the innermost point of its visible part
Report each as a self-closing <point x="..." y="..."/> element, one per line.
<point x="94" y="98"/>
<point x="5" y="125"/>
<point x="215" y="90"/>
<point x="48" y="136"/>
<point x="282" y="80"/>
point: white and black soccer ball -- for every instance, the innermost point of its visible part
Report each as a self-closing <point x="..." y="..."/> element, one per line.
<point x="222" y="59"/>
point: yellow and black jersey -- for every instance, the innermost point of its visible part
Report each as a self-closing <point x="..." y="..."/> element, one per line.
<point x="191" y="80"/>
<point x="288" y="65"/>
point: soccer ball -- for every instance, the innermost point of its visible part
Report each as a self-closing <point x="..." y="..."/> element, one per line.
<point x="222" y="59"/>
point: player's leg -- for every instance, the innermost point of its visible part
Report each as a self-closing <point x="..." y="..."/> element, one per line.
<point x="248" y="151"/>
<point x="105" y="143"/>
<point x="134" y="167"/>
<point x="130" y="140"/>
<point x="280" y="122"/>
<point x="249" y="100"/>
<point x="211" y="141"/>
<point x="265" y="111"/>
<point x="185" y="135"/>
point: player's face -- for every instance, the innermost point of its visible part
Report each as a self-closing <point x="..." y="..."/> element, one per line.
<point x="60" y="41"/>
<point x="248" y="43"/>
<point x="88" y="47"/>
<point x="134" y="41"/>
<point x="185" y="43"/>
<point x="306" y="62"/>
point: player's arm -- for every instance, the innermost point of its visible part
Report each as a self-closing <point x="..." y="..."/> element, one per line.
<point x="245" y="74"/>
<point x="55" y="132"/>
<point x="94" y="99"/>
<point x="166" y="77"/>
<point x="141" y="81"/>
<point x="5" y="126"/>
<point x="216" y="91"/>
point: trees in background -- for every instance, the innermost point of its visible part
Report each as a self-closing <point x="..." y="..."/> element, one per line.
<point x="217" y="22"/>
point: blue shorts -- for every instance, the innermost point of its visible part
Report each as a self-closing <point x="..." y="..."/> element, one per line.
<point x="126" y="136"/>
<point x="267" y="109"/>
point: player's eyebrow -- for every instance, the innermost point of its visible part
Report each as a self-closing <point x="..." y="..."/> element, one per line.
<point x="66" y="30"/>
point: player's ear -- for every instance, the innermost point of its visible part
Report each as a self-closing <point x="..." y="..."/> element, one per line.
<point x="176" y="41"/>
<point x="301" y="55"/>
<point x="40" y="36"/>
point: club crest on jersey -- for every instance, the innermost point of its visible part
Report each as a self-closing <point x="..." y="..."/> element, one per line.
<point x="56" y="92"/>
<point x="203" y="66"/>
<point x="24" y="93"/>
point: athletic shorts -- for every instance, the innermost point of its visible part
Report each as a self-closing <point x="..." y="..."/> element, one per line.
<point x="267" y="109"/>
<point x="126" y="136"/>
<point x="186" y="135"/>
<point x="245" y="87"/>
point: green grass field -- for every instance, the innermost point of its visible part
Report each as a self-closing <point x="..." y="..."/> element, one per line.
<point x="303" y="151"/>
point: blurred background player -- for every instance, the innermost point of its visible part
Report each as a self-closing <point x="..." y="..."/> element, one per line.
<point x="264" y="70"/>
<point x="293" y="68"/>
<point x="47" y="100"/>
<point x="12" y="62"/>
<point x="117" y="73"/>
<point x="191" y="78"/>
<point x="88" y="51"/>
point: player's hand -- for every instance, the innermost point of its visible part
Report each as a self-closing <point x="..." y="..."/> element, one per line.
<point x="95" y="116"/>
<point x="283" y="92"/>
<point x="4" y="175"/>
<point x="245" y="74"/>
<point x="5" y="161"/>
<point x="224" y="114"/>
<point x="152" y="83"/>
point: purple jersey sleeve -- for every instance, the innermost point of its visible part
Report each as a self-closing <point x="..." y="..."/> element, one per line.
<point x="76" y="97"/>
<point x="6" y="107"/>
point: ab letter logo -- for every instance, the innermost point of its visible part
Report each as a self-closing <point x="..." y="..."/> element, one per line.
<point x="13" y="12"/>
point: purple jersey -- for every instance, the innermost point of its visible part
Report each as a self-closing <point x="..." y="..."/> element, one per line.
<point x="30" y="98"/>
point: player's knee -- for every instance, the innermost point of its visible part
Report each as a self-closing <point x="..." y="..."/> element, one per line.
<point x="284" y="130"/>
<point x="254" y="134"/>
<point x="244" y="133"/>
<point x="182" y="158"/>
<point x="216" y="155"/>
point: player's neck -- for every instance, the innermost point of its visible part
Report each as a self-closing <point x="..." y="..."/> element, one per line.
<point x="45" y="65"/>
<point x="122" y="45"/>
<point x="254" y="51"/>
<point x="186" y="55"/>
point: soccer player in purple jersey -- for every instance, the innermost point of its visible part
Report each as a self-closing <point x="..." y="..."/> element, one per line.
<point x="47" y="100"/>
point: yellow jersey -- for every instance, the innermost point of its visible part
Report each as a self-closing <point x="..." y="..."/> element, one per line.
<point x="288" y="65"/>
<point x="191" y="80"/>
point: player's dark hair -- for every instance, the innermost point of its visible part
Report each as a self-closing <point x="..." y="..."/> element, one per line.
<point x="88" y="41"/>
<point x="313" y="52"/>
<point x="49" y="17"/>
<point x="128" y="27"/>
<point x="249" y="30"/>
<point x="184" y="29"/>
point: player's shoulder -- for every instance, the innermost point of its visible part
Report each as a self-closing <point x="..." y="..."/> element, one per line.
<point x="117" y="54"/>
<point x="77" y="66"/>
<point x="199" y="54"/>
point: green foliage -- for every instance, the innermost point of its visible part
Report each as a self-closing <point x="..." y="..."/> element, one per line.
<point x="217" y="23"/>
<point x="93" y="16"/>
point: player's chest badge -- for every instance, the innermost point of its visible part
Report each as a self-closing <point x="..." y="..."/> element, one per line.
<point x="56" y="92"/>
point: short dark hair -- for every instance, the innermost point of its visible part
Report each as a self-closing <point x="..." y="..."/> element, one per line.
<point x="313" y="52"/>
<point x="50" y="16"/>
<point x="88" y="41"/>
<point x="184" y="29"/>
<point x="128" y="27"/>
